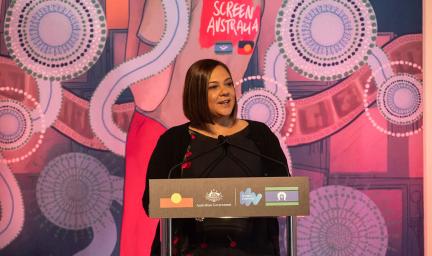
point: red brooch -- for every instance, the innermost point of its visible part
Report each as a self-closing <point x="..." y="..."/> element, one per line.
<point x="175" y="240"/>
<point x="188" y="154"/>
<point x="186" y="165"/>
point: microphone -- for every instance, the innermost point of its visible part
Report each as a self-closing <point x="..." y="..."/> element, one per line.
<point x="224" y="142"/>
<point x="227" y="143"/>
<point x="221" y="139"/>
<point x="221" y="142"/>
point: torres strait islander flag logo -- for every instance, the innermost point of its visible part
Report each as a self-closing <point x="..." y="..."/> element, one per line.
<point x="281" y="196"/>
<point x="176" y="201"/>
<point x="223" y="48"/>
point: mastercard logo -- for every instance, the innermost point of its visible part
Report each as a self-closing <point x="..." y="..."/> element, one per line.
<point x="176" y="201"/>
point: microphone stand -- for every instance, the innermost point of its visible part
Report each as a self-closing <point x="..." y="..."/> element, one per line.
<point x="290" y="221"/>
<point x="166" y="236"/>
<point x="223" y="140"/>
<point x="195" y="157"/>
<point x="166" y="223"/>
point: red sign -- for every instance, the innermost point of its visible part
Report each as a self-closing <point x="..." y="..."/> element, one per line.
<point x="223" y="20"/>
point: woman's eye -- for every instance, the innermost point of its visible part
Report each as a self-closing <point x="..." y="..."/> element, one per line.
<point x="230" y="83"/>
<point x="212" y="86"/>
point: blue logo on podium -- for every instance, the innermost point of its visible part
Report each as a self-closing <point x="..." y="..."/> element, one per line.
<point x="248" y="197"/>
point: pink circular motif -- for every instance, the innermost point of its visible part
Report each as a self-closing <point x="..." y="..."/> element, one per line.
<point x="262" y="105"/>
<point x="20" y="131"/>
<point x="326" y="39"/>
<point x="342" y="221"/>
<point x="399" y="101"/>
<point x="59" y="52"/>
<point x="15" y="125"/>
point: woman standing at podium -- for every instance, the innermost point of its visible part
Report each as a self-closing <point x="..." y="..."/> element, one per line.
<point x="209" y="102"/>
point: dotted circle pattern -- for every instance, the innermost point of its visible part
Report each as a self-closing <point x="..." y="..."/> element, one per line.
<point x="385" y="97"/>
<point x="268" y="103"/>
<point x="26" y="134"/>
<point x="59" y="52"/>
<point x="311" y="50"/>
<point x="16" y="125"/>
<point x="399" y="99"/>
<point x="74" y="191"/>
<point x="342" y="221"/>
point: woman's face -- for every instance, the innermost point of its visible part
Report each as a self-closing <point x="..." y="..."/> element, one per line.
<point x="221" y="93"/>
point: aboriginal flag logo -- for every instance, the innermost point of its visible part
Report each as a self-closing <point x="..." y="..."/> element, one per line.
<point x="176" y="201"/>
<point x="245" y="47"/>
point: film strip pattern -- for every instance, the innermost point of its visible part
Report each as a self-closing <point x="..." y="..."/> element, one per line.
<point x="325" y="113"/>
<point x="316" y="117"/>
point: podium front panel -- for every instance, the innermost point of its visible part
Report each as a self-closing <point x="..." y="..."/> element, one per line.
<point x="229" y="197"/>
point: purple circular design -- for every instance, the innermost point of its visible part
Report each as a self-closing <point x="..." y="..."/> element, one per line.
<point x="59" y="52"/>
<point x="326" y="39"/>
<point x="14" y="130"/>
<point x="399" y="99"/>
<point x="404" y="99"/>
<point x="342" y="221"/>
<point x="261" y="105"/>
<point x="74" y="191"/>
<point x="15" y="125"/>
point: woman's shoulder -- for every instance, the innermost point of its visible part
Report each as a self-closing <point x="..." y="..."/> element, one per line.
<point x="260" y="132"/>
<point x="176" y="131"/>
<point x="258" y="126"/>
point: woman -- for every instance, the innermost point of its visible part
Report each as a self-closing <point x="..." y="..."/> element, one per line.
<point x="209" y="102"/>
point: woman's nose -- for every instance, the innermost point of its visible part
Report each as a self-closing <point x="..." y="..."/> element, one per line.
<point x="224" y="90"/>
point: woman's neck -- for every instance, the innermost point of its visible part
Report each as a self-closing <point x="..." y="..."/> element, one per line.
<point x="225" y="128"/>
<point x="221" y="126"/>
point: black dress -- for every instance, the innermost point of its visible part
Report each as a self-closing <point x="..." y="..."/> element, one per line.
<point x="173" y="146"/>
<point x="222" y="236"/>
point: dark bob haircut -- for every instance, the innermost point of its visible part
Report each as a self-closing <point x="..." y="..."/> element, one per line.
<point x="195" y="97"/>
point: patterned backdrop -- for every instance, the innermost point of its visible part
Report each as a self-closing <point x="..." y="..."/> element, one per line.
<point x="338" y="81"/>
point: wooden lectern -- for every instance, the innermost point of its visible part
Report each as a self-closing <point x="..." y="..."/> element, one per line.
<point x="227" y="197"/>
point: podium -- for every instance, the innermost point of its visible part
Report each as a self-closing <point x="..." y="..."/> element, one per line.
<point x="227" y="197"/>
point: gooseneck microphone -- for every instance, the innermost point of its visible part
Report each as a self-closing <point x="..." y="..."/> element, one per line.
<point x="220" y="144"/>
<point x="225" y="142"/>
<point x="289" y="221"/>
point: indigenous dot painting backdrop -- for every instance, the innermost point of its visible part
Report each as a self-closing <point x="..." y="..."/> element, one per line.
<point x="88" y="86"/>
